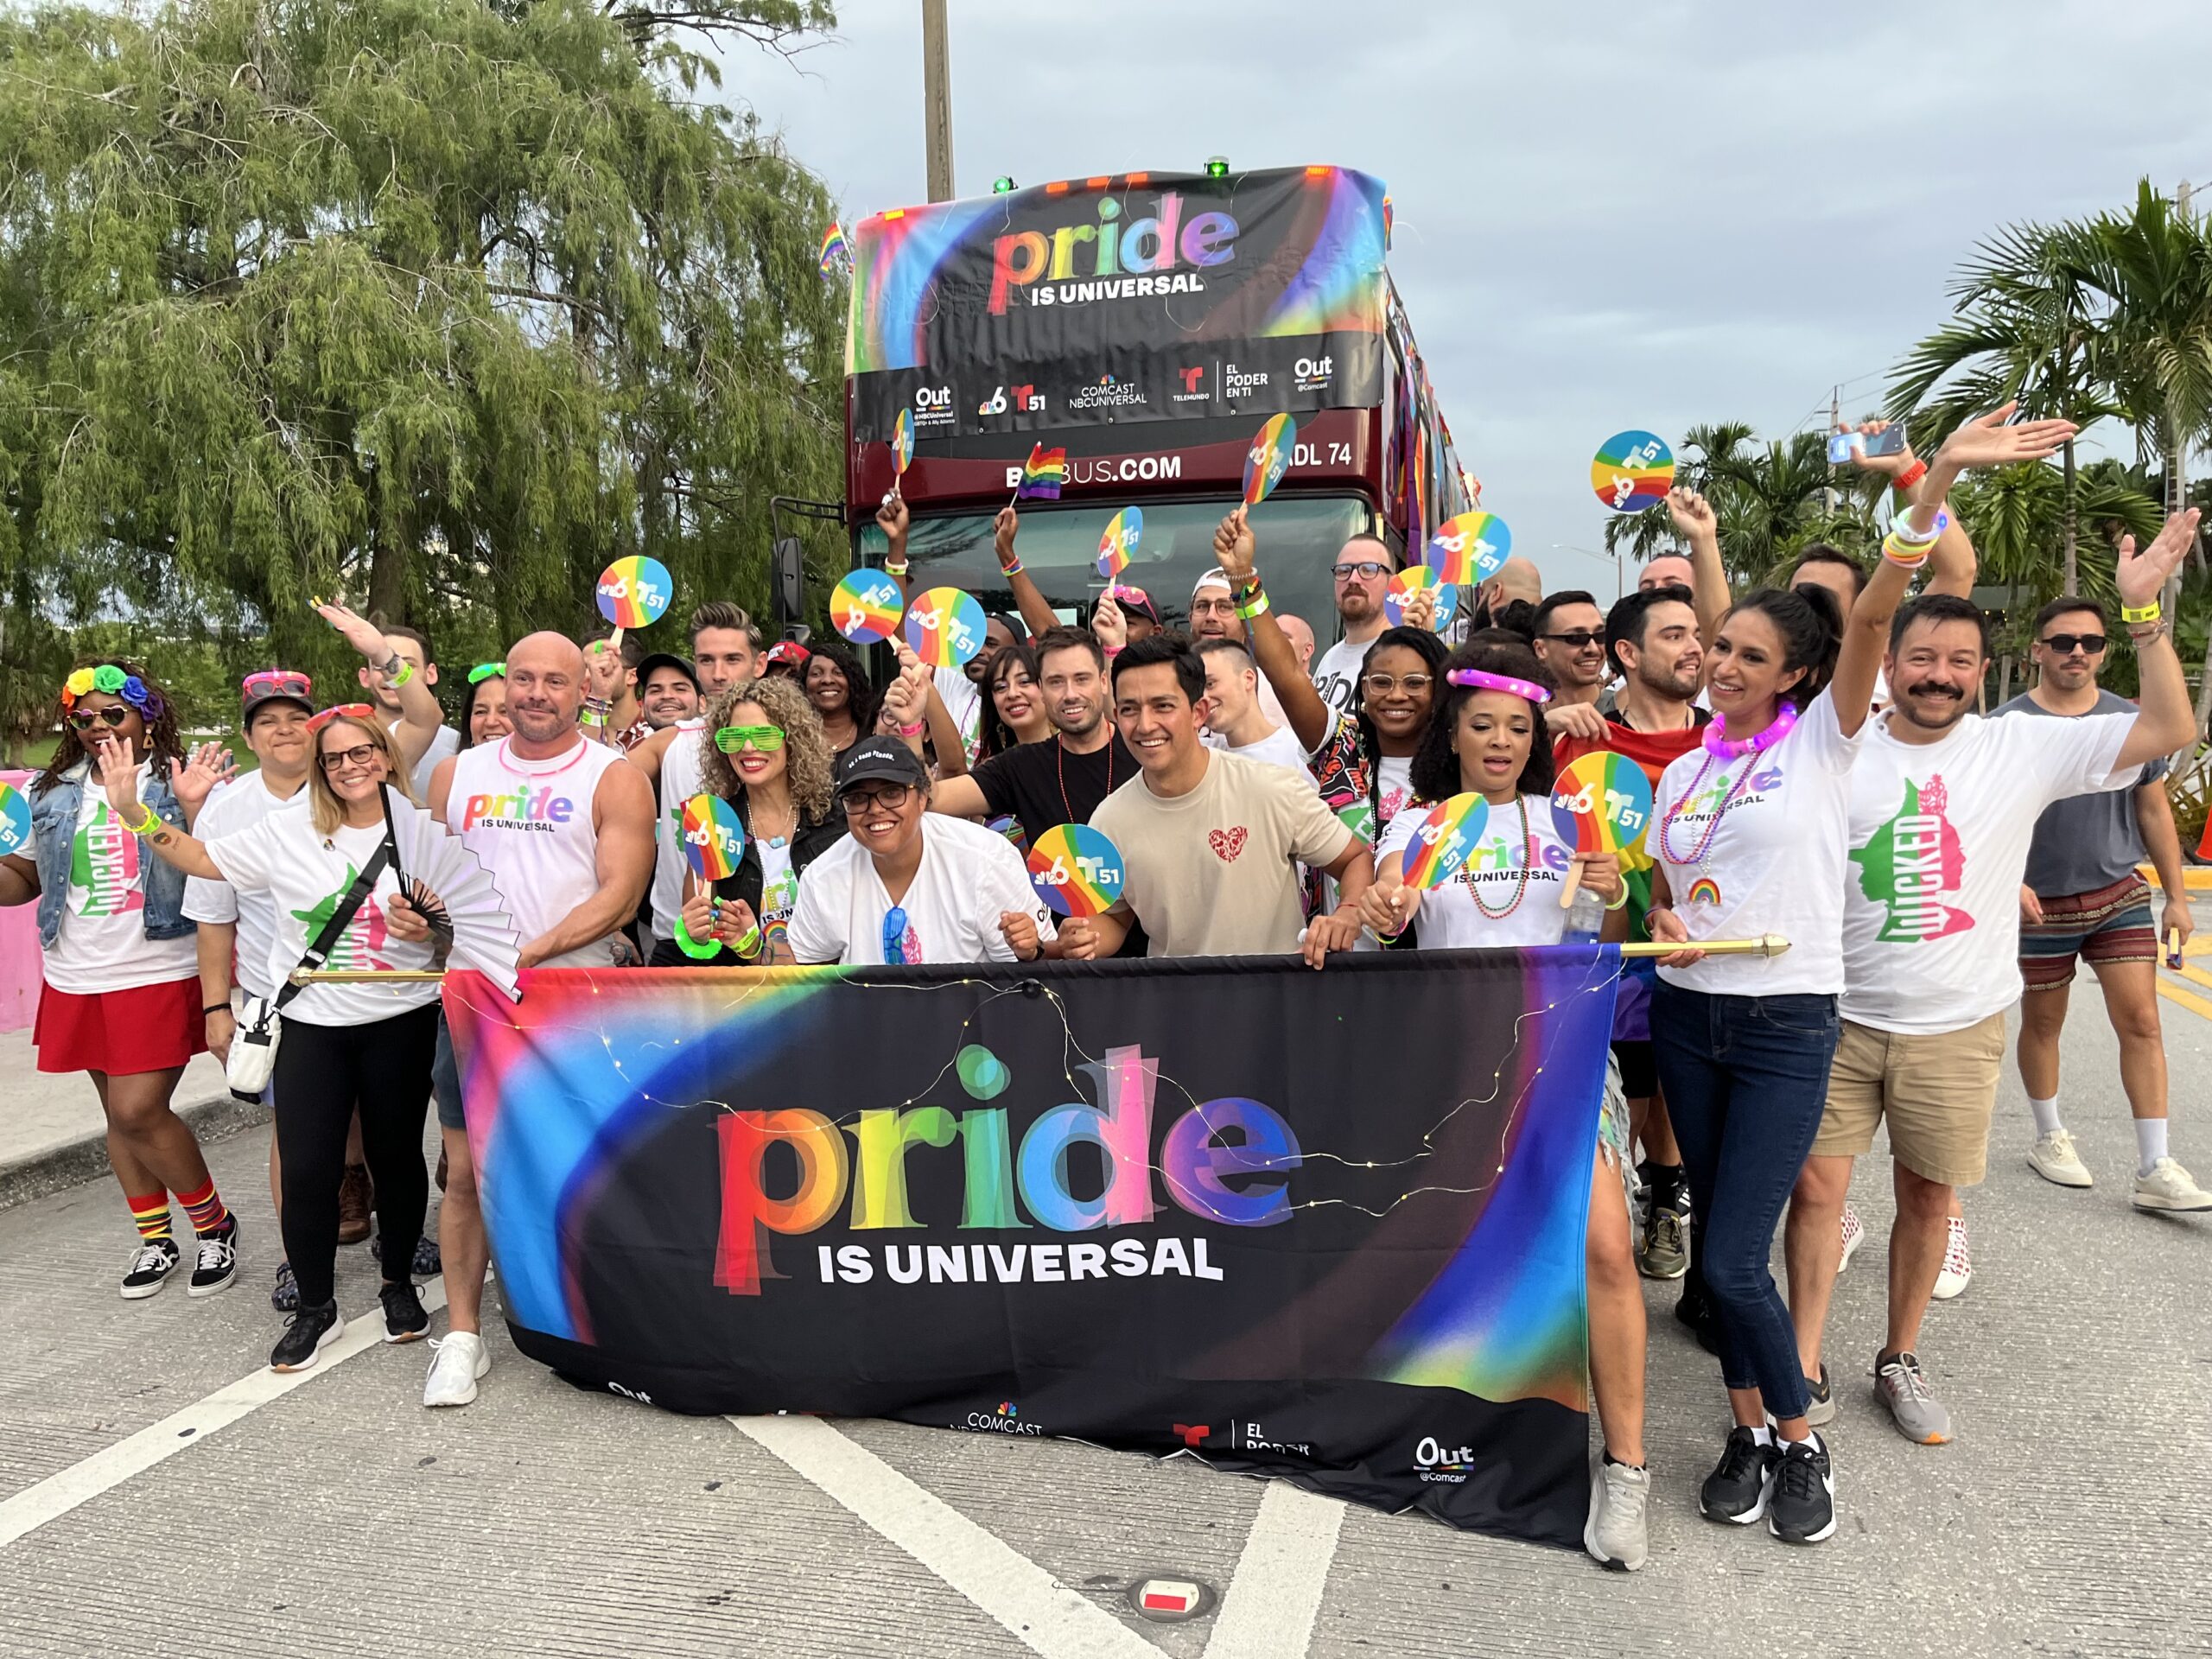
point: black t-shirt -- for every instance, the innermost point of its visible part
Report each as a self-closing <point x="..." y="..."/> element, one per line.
<point x="1028" y="780"/>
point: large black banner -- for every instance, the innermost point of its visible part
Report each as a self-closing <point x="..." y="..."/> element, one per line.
<point x="1328" y="1226"/>
<point x="1144" y="297"/>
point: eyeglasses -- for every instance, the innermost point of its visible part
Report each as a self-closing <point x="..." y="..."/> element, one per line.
<point x="1366" y="570"/>
<point x="1577" y="638"/>
<point x="765" y="739"/>
<point x="114" y="714"/>
<point x="278" y="682"/>
<point x="360" y="755"/>
<point x="890" y="797"/>
<point x="484" y="671"/>
<point x="2064" y="644"/>
<point x="895" y="936"/>
<point x="1412" y="684"/>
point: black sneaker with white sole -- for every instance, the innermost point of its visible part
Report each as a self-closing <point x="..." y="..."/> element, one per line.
<point x="150" y="1267"/>
<point x="219" y="1260"/>
<point x="403" y="1318"/>
<point x="1820" y="1398"/>
<point x="306" y="1333"/>
<point x="1738" y="1489"/>
<point x="1803" y="1510"/>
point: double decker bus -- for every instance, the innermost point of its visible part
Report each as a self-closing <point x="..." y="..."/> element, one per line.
<point x="1147" y="324"/>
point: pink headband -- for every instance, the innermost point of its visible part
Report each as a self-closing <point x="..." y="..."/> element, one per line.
<point x="1480" y="681"/>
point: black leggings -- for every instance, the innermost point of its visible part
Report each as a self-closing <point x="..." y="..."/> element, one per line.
<point x="323" y="1071"/>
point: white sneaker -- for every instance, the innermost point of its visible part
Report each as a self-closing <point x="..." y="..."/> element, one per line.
<point x="2053" y="1158"/>
<point x="1854" y="1235"/>
<point x="1616" y="1534"/>
<point x="2169" y="1187"/>
<point x="460" y="1360"/>
<point x="1958" y="1268"/>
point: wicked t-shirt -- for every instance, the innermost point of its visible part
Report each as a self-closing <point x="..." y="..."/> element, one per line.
<point x="1939" y="842"/>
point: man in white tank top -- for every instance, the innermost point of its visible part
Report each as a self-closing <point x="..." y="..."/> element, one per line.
<point x="566" y="829"/>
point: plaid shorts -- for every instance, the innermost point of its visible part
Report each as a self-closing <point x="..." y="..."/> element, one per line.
<point x="2114" y="924"/>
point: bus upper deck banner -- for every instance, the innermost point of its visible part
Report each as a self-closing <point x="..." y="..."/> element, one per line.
<point x="1142" y="297"/>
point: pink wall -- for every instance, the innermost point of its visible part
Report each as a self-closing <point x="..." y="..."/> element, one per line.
<point x="19" y="958"/>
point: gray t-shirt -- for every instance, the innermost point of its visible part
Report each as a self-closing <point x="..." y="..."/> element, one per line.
<point x="2090" y="842"/>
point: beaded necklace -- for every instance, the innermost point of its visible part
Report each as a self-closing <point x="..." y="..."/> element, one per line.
<point x="1724" y="749"/>
<point x="1528" y="863"/>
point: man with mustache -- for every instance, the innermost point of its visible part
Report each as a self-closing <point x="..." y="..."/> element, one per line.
<point x="1943" y="807"/>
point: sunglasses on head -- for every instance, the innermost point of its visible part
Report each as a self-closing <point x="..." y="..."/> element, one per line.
<point x="1577" y="638"/>
<point x="114" y="714"/>
<point x="278" y="683"/>
<point x="342" y="711"/>
<point x="766" y="739"/>
<point x="2066" y="645"/>
<point x="484" y="671"/>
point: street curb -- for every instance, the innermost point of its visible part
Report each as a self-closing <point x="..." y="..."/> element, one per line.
<point x="76" y="1161"/>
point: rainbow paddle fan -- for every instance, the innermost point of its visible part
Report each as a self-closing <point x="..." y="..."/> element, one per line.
<point x="484" y="934"/>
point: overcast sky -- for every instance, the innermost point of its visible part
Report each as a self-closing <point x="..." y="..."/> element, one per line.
<point x="1642" y="216"/>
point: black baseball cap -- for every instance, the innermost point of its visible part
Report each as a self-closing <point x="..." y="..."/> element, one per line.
<point x="880" y="760"/>
<point x="653" y="662"/>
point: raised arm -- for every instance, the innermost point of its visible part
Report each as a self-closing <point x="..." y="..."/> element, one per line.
<point x="1696" y="522"/>
<point x="2167" y="722"/>
<point x="419" y="716"/>
<point x="1027" y="597"/>
<point x="118" y="776"/>
<point x="1951" y="567"/>
<point x="1310" y="718"/>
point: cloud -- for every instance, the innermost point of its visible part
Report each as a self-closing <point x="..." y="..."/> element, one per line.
<point x="1605" y="218"/>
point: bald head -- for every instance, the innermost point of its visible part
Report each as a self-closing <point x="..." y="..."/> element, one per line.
<point x="1301" y="637"/>
<point x="1515" y="579"/>
<point x="1667" y="570"/>
<point x="545" y="692"/>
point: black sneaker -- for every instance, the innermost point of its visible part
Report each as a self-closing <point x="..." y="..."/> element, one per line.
<point x="306" y="1333"/>
<point x="1738" y="1489"/>
<point x="156" y="1259"/>
<point x="284" y="1294"/>
<point x="1695" y="1310"/>
<point x="403" y="1318"/>
<point x="1803" y="1507"/>
<point x="219" y="1260"/>
<point x="1820" y="1399"/>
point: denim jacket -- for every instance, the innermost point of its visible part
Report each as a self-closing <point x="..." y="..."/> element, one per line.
<point x="53" y="826"/>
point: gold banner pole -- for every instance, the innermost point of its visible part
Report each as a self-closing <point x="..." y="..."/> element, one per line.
<point x="1771" y="945"/>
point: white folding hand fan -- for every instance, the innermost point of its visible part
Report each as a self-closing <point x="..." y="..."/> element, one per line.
<point x="484" y="933"/>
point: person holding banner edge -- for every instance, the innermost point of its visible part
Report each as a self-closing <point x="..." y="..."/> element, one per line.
<point x="1487" y="737"/>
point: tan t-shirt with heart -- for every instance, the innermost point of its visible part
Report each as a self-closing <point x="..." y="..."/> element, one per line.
<point x="1215" y="872"/>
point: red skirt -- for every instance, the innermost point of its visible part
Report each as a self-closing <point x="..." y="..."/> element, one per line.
<point x="149" y="1029"/>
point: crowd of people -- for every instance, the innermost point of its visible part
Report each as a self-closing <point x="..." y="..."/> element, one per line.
<point x="1819" y="772"/>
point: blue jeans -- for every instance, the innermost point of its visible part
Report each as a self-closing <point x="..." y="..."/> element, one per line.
<point x="1746" y="1081"/>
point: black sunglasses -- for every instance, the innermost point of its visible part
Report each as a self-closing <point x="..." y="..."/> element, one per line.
<point x="2066" y="644"/>
<point x="1576" y="638"/>
<point x="114" y="714"/>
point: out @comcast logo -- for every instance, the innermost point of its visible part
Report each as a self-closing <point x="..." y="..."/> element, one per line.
<point x="1447" y="1465"/>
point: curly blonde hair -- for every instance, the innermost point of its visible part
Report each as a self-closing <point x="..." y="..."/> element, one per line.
<point x="806" y="748"/>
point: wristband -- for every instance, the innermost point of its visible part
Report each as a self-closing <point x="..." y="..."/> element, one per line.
<point x="2150" y="613"/>
<point x="214" y="1007"/>
<point x="406" y="673"/>
<point x="749" y="946"/>
<point x="1620" y="898"/>
<point x="1010" y="567"/>
<point x="691" y="947"/>
<point x="2144" y="633"/>
<point x="898" y="570"/>
<point x="147" y="825"/>
<point x="914" y="730"/>
<point x="1255" y="605"/>
<point x="1111" y="652"/>
<point x="1911" y="475"/>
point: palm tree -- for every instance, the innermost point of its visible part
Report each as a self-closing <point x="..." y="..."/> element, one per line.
<point x="1770" y="501"/>
<point x="2153" y="352"/>
<point x="2025" y="319"/>
<point x="1651" y="531"/>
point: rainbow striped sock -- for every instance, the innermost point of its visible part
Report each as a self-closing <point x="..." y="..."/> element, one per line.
<point x="205" y="1207"/>
<point x="151" y="1213"/>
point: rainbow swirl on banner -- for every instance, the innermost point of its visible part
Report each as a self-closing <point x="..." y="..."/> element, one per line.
<point x="1123" y="531"/>
<point x="1444" y="839"/>
<point x="865" y="607"/>
<point x="945" y="627"/>
<point x="1633" y="471"/>
<point x="895" y="265"/>
<point x="1339" y="285"/>
<point x="1470" y="547"/>
<point x="635" y="591"/>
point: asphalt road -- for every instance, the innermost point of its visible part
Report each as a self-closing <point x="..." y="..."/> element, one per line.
<point x="158" y="1492"/>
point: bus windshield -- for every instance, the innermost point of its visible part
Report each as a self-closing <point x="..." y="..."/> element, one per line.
<point x="1297" y="540"/>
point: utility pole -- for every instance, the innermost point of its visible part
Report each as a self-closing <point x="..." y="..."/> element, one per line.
<point x="936" y="100"/>
<point x="1835" y="419"/>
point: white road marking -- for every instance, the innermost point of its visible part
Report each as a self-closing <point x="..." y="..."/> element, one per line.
<point x="81" y="1482"/>
<point x="1036" y="1610"/>
<point x="1275" y="1593"/>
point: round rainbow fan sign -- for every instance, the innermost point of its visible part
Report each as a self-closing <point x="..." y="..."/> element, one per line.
<point x="714" y="840"/>
<point x="902" y="440"/>
<point x="1469" y="548"/>
<point x="1123" y="531"/>
<point x="1633" y="471"/>
<point x="15" y="820"/>
<point x="633" y="592"/>
<point x="945" y="627"/>
<point x="866" y="606"/>
<point x="1444" y="839"/>
<point x="1268" y="459"/>
<point x="1414" y="579"/>
<point x="1075" y="869"/>
<point x="1602" y="803"/>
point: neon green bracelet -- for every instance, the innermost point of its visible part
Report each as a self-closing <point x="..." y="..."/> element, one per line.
<point x="691" y="947"/>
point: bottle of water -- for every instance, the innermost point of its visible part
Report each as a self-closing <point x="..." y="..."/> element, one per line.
<point x="1583" y="918"/>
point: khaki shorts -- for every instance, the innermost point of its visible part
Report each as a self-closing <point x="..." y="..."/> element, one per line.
<point x="1939" y="1093"/>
